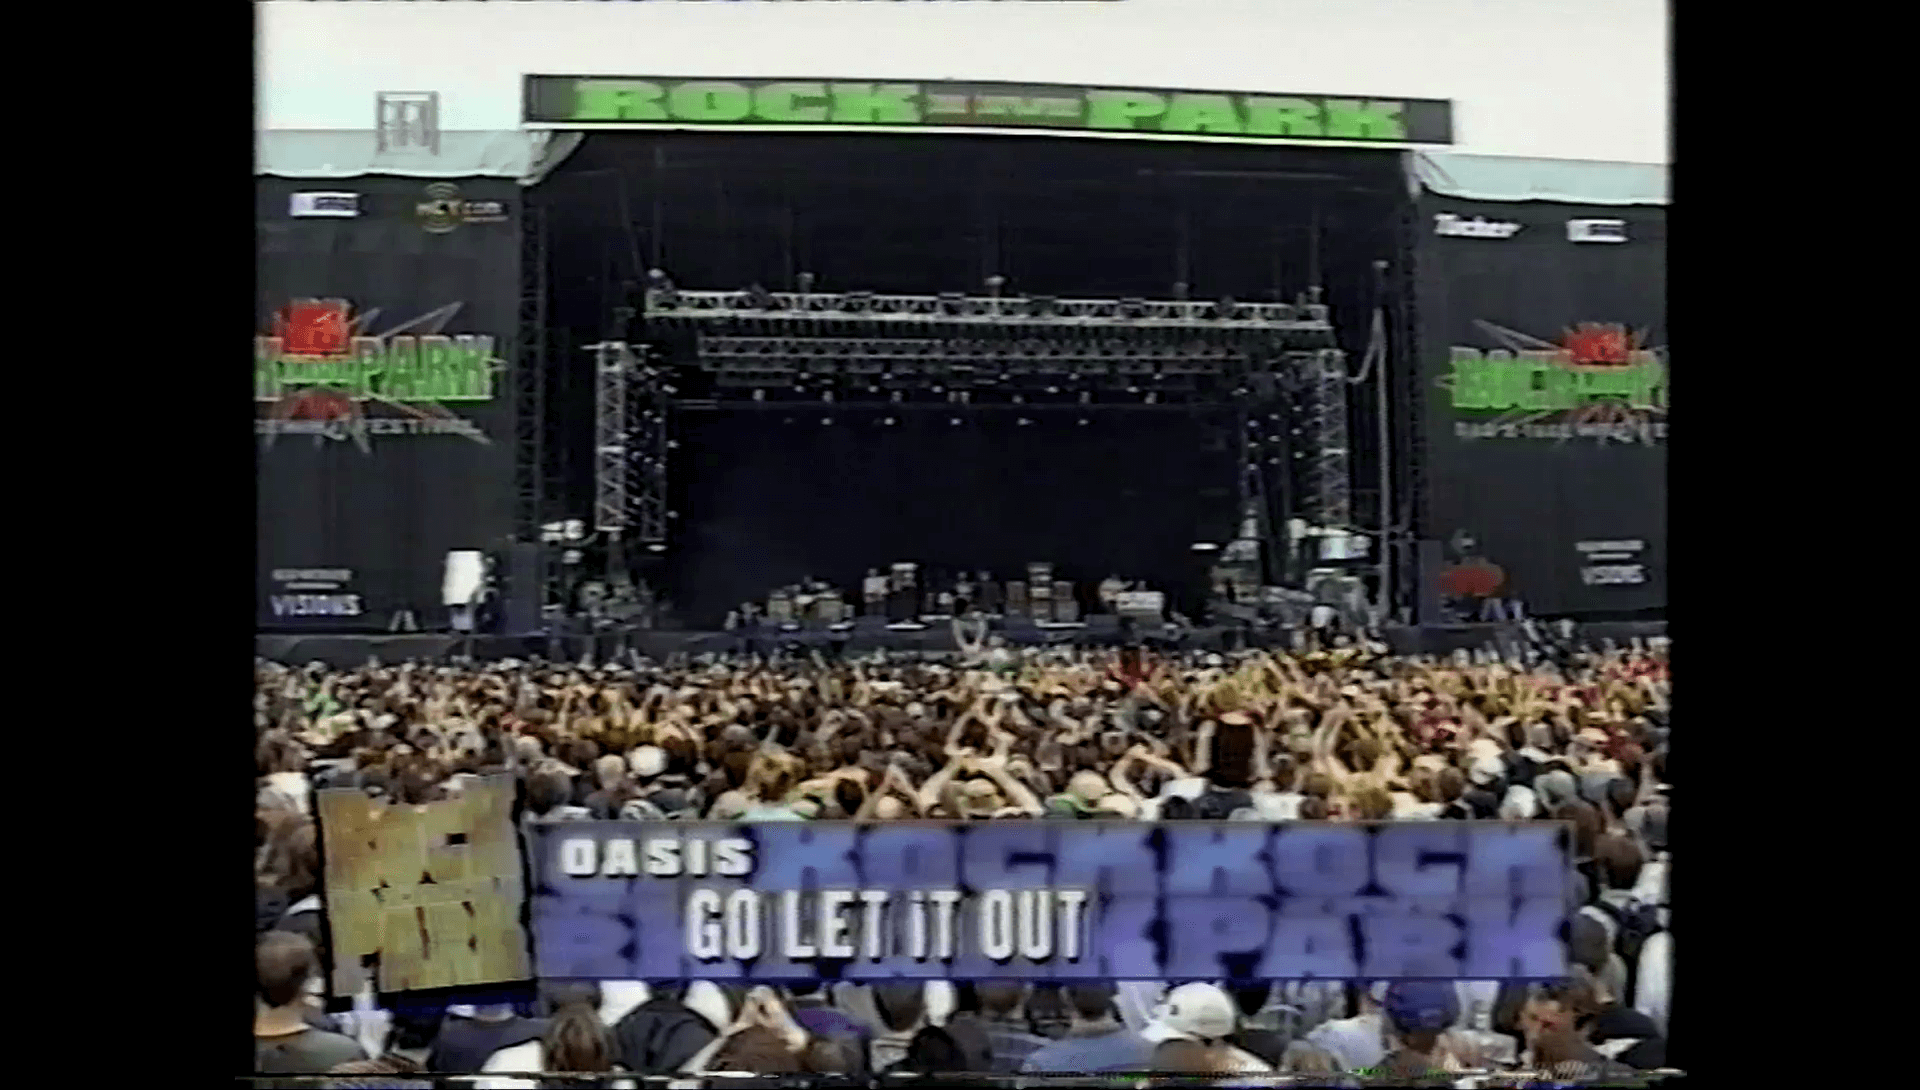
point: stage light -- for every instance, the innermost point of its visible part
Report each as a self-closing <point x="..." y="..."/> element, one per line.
<point x="656" y="547"/>
<point x="1024" y="421"/>
<point x="759" y="395"/>
<point x="955" y="421"/>
<point x="889" y="421"/>
<point x="826" y="420"/>
<point x="1205" y="547"/>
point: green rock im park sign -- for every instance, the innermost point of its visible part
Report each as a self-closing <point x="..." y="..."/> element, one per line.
<point x="663" y="102"/>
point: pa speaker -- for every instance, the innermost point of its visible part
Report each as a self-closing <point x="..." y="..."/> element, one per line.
<point x="522" y="593"/>
<point x="1432" y="598"/>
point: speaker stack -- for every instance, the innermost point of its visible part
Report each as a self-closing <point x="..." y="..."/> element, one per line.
<point x="904" y="594"/>
<point x="1016" y="599"/>
<point x="1066" y="609"/>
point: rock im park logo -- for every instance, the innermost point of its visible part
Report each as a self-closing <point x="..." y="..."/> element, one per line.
<point x="322" y="372"/>
<point x="1599" y="381"/>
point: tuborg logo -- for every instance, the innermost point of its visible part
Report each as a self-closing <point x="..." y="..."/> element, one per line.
<point x="319" y="373"/>
<point x="1452" y="226"/>
<point x="444" y="210"/>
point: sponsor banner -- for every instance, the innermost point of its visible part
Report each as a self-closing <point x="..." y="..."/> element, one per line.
<point x="442" y="210"/>
<point x="1612" y="563"/>
<point x="300" y="594"/>
<point x="1046" y="900"/>
<point x="682" y="102"/>
<point x="1547" y="377"/>
<point x="324" y="206"/>
<point x="1597" y="230"/>
<point x="1451" y="226"/>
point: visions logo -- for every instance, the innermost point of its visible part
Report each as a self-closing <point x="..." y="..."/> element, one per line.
<point x="1600" y="381"/>
<point x="320" y="373"/>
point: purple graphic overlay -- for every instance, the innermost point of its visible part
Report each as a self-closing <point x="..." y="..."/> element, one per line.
<point x="1048" y="900"/>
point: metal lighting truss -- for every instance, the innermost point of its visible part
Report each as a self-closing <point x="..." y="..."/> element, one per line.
<point x="649" y="397"/>
<point x="630" y="444"/>
<point x="1320" y="378"/>
<point x="961" y="358"/>
<point x="612" y="370"/>
<point x="529" y="376"/>
<point x="1409" y="441"/>
<point x="790" y="308"/>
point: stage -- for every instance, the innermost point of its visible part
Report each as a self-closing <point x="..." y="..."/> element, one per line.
<point x="348" y="650"/>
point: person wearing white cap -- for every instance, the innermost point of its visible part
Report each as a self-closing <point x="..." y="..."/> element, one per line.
<point x="1519" y="805"/>
<point x="1199" y="1014"/>
<point x="646" y="762"/>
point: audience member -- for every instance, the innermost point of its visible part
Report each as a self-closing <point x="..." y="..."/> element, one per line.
<point x="659" y="1036"/>
<point x="284" y="1044"/>
<point x="1095" y="1041"/>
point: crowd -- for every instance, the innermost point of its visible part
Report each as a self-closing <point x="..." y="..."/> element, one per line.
<point x="1347" y="733"/>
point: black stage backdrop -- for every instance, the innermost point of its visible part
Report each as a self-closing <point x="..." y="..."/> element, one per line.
<point x="355" y="525"/>
<point x="1569" y="502"/>
<point x="770" y="497"/>
<point x="930" y="214"/>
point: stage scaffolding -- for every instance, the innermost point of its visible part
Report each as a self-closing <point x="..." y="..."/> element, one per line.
<point x="1275" y="365"/>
